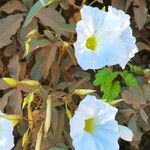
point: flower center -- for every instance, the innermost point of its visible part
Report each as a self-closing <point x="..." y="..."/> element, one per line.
<point x="89" y="125"/>
<point x="91" y="43"/>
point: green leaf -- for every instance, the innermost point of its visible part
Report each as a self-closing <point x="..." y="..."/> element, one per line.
<point x="105" y="78"/>
<point x="35" y="9"/>
<point x="129" y="78"/>
<point x="135" y="69"/>
<point x="100" y="76"/>
<point x="11" y="82"/>
<point x="110" y="93"/>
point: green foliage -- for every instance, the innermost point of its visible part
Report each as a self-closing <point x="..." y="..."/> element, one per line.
<point x="112" y="91"/>
<point x="129" y="79"/>
<point x="107" y="80"/>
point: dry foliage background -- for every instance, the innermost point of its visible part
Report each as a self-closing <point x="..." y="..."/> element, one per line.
<point x="48" y="57"/>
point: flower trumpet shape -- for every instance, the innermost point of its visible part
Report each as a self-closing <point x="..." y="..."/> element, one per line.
<point x="93" y="126"/>
<point x="6" y="134"/>
<point x="103" y="38"/>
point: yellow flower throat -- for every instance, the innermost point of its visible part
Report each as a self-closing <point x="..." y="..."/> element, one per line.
<point x="91" y="43"/>
<point x="89" y="125"/>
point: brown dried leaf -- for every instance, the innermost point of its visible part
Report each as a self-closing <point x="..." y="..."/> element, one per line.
<point x="134" y="96"/>
<point x="4" y="85"/>
<point x="13" y="5"/>
<point x="23" y="32"/>
<point x="8" y="27"/>
<point x="54" y="120"/>
<point x="71" y="54"/>
<point x="119" y="4"/>
<point x="1" y="67"/>
<point x="26" y="88"/>
<point x="133" y="125"/>
<point x="142" y="46"/>
<point x="61" y="123"/>
<point x="44" y="60"/>
<point x="144" y="115"/>
<point x="146" y="90"/>
<point x="15" y="101"/>
<point x="127" y="112"/>
<point x="140" y="12"/>
<point x="128" y="3"/>
<point x="14" y="67"/>
<point x="48" y="17"/>
<point x="10" y="50"/>
<point x="4" y="99"/>
<point x="55" y="72"/>
<point x="23" y="70"/>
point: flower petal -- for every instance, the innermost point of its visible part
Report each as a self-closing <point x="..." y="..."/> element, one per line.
<point x="108" y="138"/>
<point x="6" y="134"/>
<point x="92" y="17"/>
<point x="125" y="133"/>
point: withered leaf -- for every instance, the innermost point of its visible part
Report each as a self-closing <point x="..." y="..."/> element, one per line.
<point x="4" y="85"/>
<point x="119" y="4"/>
<point x="48" y="17"/>
<point x="71" y="54"/>
<point x="146" y="90"/>
<point x="140" y="12"/>
<point x="61" y="123"/>
<point x="23" y="32"/>
<point x="4" y="99"/>
<point x="28" y="3"/>
<point x="14" y="67"/>
<point x="54" y="120"/>
<point x="144" y="115"/>
<point x="44" y="60"/>
<point x="15" y="101"/>
<point x="134" y="96"/>
<point x="55" y="72"/>
<point x="1" y="67"/>
<point x="35" y="43"/>
<point x="128" y="3"/>
<point x="13" y="5"/>
<point x="10" y="50"/>
<point x="142" y="46"/>
<point x="8" y="27"/>
<point x="133" y="125"/>
<point x="35" y="9"/>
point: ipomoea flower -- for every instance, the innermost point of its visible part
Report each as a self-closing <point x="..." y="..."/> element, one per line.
<point x="6" y="134"/>
<point x="103" y="38"/>
<point x="93" y="126"/>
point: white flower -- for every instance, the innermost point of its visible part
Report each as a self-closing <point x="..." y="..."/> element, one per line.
<point x="125" y="133"/>
<point x="6" y="134"/>
<point x="103" y="38"/>
<point x="93" y="126"/>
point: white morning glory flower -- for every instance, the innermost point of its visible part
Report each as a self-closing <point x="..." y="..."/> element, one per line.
<point x="93" y="126"/>
<point x="103" y="38"/>
<point x="6" y="134"/>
